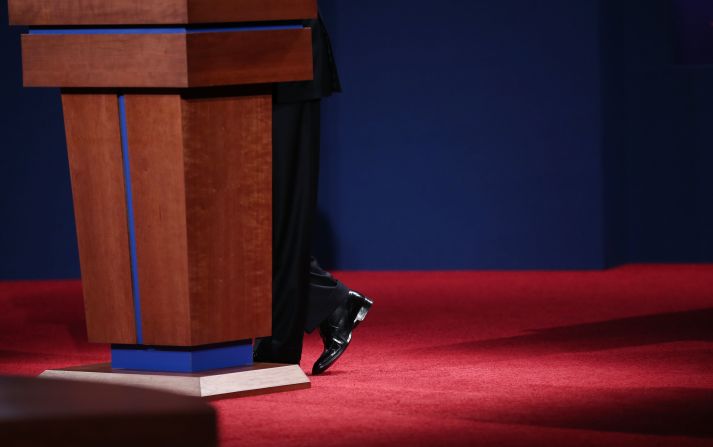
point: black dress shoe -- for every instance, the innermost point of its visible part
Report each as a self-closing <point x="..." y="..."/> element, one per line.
<point x="336" y="331"/>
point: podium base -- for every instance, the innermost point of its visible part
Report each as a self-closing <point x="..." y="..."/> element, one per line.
<point x="260" y="378"/>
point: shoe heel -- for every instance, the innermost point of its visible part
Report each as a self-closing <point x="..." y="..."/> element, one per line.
<point x="364" y="310"/>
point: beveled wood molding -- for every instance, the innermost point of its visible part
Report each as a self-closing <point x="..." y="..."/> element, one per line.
<point x="155" y="12"/>
<point x="177" y="60"/>
<point x="104" y="60"/>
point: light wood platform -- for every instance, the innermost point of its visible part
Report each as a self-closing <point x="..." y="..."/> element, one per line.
<point x="260" y="378"/>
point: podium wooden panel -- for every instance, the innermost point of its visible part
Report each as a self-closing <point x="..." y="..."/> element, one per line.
<point x="200" y="179"/>
<point x="155" y="130"/>
<point x="213" y="156"/>
<point x="228" y="153"/>
<point x="95" y="162"/>
<point x="169" y="133"/>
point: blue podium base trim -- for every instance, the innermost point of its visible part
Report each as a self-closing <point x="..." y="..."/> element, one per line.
<point x="179" y="359"/>
<point x="164" y="30"/>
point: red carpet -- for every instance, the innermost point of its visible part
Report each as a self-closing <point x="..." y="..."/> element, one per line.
<point x="622" y="357"/>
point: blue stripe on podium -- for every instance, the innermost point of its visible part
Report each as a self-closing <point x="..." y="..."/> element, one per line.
<point x="163" y="30"/>
<point x="227" y="29"/>
<point x="131" y="219"/>
<point x="185" y="360"/>
<point x="54" y="31"/>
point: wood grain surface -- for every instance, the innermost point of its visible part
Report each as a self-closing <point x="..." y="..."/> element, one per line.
<point x="216" y="11"/>
<point x="95" y="161"/>
<point x="228" y="163"/>
<point x="96" y="12"/>
<point x="167" y="60"/>
<point x="260" y="378"/>
<point x="105" y="60"/>
<point x="256" y="57"/>
<point x="201" y="178"/>
<point x="159" y="12"/>
<point x="155" y="137"/>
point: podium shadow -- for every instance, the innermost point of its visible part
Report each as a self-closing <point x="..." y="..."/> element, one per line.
<point x="53" y="311"/>
<point x="694" y="325"/>
<point x="654" y="410"/>
<point x="647" y="411"/>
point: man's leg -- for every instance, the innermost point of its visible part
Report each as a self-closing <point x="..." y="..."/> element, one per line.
<point x="295" y="172"/>
<point x="326" y="294"/>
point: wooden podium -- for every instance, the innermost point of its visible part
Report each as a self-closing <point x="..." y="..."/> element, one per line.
<point x="168" y="115"/>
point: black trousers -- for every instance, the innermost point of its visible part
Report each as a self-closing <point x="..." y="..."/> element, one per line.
<point x="304" y="295"/>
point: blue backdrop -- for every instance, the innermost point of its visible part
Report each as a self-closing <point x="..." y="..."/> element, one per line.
<point x="480" y="134"/>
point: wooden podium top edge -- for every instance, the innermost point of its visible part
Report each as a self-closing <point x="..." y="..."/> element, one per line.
<point x="155" y="12"/>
